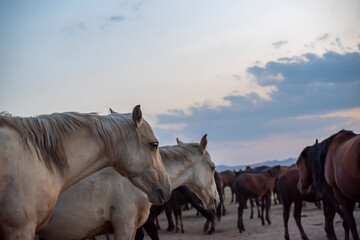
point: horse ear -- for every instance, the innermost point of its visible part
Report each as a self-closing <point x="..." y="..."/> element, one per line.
<point x="203" y="143"/>
<point x="137" y="116"/>
<point x="178" y="141"/>
<point x="317" y="141"/>
<point x="111" y="111"/>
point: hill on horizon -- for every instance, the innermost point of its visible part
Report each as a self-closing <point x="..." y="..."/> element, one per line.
<point x="286" y="162"/>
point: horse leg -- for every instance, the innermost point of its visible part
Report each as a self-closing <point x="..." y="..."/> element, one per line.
<point x="268" y="205"/>
<point x="242" y="203"/>
<point x="232" y="194"/>
<point x="297" y="217"/>
<point x="286" y="212"/>
<point x="26" y="232"/>
<point x="251" y="208"/>
<point x="206" y="226"/>
<point x="262" y="210"/>
<point x="329" y="214"/>
<point x="212" y="228"/>
<point x="223" y="209"/>
<point x="168" y="212"/>
<point x="157" y="223"/>
<point x="348" y="208"/>
<point x="257" y="207"/>
<point x="139" y="234"/>
<point x="151" y="230"/>
<point x="176" y="221"/>
<point x="181" y="221"/>
<point x="123" y="230"/>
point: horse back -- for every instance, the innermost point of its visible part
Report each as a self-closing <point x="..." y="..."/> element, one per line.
<point x="257" y="182"/>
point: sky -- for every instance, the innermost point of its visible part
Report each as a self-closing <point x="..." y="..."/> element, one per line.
<point x="263" y="79"/>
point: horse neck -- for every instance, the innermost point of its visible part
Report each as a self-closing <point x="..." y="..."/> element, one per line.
<point x="177" y="170"/>
<point x="321" y="160"/>
<point x="85" y="155"/>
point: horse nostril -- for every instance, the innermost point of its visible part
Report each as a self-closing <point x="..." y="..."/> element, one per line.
<point x="161" y="195"/>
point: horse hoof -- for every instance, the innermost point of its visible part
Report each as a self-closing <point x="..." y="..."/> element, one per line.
<point x="182" y="231"/>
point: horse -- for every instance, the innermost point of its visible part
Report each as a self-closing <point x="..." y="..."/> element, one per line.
<point x="228" y="178"/>
<point x="334" y="164"/>
<point x="106" y="202"/>
<point x="41" y="157"/>
<point x="179" y="196"/>
<point x="249" y="169"/>
<point x="255" y="185"/>
<point x="289" y="193"/>
<point x="182" y="196"/>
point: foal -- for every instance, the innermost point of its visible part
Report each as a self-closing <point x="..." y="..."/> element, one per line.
<point x="255" y="185"/>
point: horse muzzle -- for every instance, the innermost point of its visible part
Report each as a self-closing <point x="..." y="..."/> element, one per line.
<point x="160" y="195"/>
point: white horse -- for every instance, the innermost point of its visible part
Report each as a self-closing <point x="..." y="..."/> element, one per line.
<point x="107" y="202"/>
<point x="40" y="157"/>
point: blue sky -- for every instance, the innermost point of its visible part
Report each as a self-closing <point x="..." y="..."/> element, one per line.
<point x="263" y="79"/>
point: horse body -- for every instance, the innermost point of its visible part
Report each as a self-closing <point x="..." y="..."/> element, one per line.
<point x="43" y="156"/>
<point x="106" y="202"/>
<point x="334" y="167"/>
<point x="289" y="193"/>
<point x="228" y="178"/>
<point x="255" y="185"/>
<point x="342" y="168"/>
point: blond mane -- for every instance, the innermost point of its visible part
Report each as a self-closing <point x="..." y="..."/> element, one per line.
<point x="47" y="132"/>
<point x="182" y="152"/>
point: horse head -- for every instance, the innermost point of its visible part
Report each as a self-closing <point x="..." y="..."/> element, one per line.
<point x="203" y="174"/>
<point x="144" y="168"/>
<point x="309" y="168"/>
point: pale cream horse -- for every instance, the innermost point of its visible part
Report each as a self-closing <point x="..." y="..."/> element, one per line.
<point x="107" y="202"/>
<point x="40" y="157"/>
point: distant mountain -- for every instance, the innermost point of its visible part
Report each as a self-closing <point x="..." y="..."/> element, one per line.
<point x="286" y="162"/>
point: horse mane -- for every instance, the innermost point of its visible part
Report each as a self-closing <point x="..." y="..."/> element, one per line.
<point x="323" y="149"/>
<point x="47" y="132"/>
<point x="180" y="152"/>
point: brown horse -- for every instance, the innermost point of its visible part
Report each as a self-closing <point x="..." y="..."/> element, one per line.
<point x="288" y="192"/>
<point x="228" y="178"/>
<point x="334" y="163"/>
<point x="180" y="196"/>
<point x="255" y="185"/>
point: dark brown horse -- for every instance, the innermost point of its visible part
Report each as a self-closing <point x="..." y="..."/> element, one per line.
<point x="180" y="196"/>
<point x="334" y="164"/>
<point x="289" y="193"/>
<point x="228" y="178"/>
<point x="255" y="185"/>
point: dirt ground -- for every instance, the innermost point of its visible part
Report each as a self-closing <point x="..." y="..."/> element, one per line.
<point x="312" y="221"/>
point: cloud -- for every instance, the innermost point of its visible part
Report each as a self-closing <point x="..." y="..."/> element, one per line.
<point x="278" y="44"/>
<point x="75" y="28"/>
<point x="358" y="46"/>
<point x="323" y="37"/>
<point x="117" y="18"/>
<point x="138" y="6"/>
<point x="307" y="85"/>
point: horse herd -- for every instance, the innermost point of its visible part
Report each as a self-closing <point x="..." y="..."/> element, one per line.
<point x="75" y="176"/>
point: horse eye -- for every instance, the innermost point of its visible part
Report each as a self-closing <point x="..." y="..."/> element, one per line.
<point x="154" y="145"/>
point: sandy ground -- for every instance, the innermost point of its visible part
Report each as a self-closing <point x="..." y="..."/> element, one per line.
<point x="312" y="221"/>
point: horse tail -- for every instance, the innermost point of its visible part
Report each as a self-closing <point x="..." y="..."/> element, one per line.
<point x="249" y="192"/>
